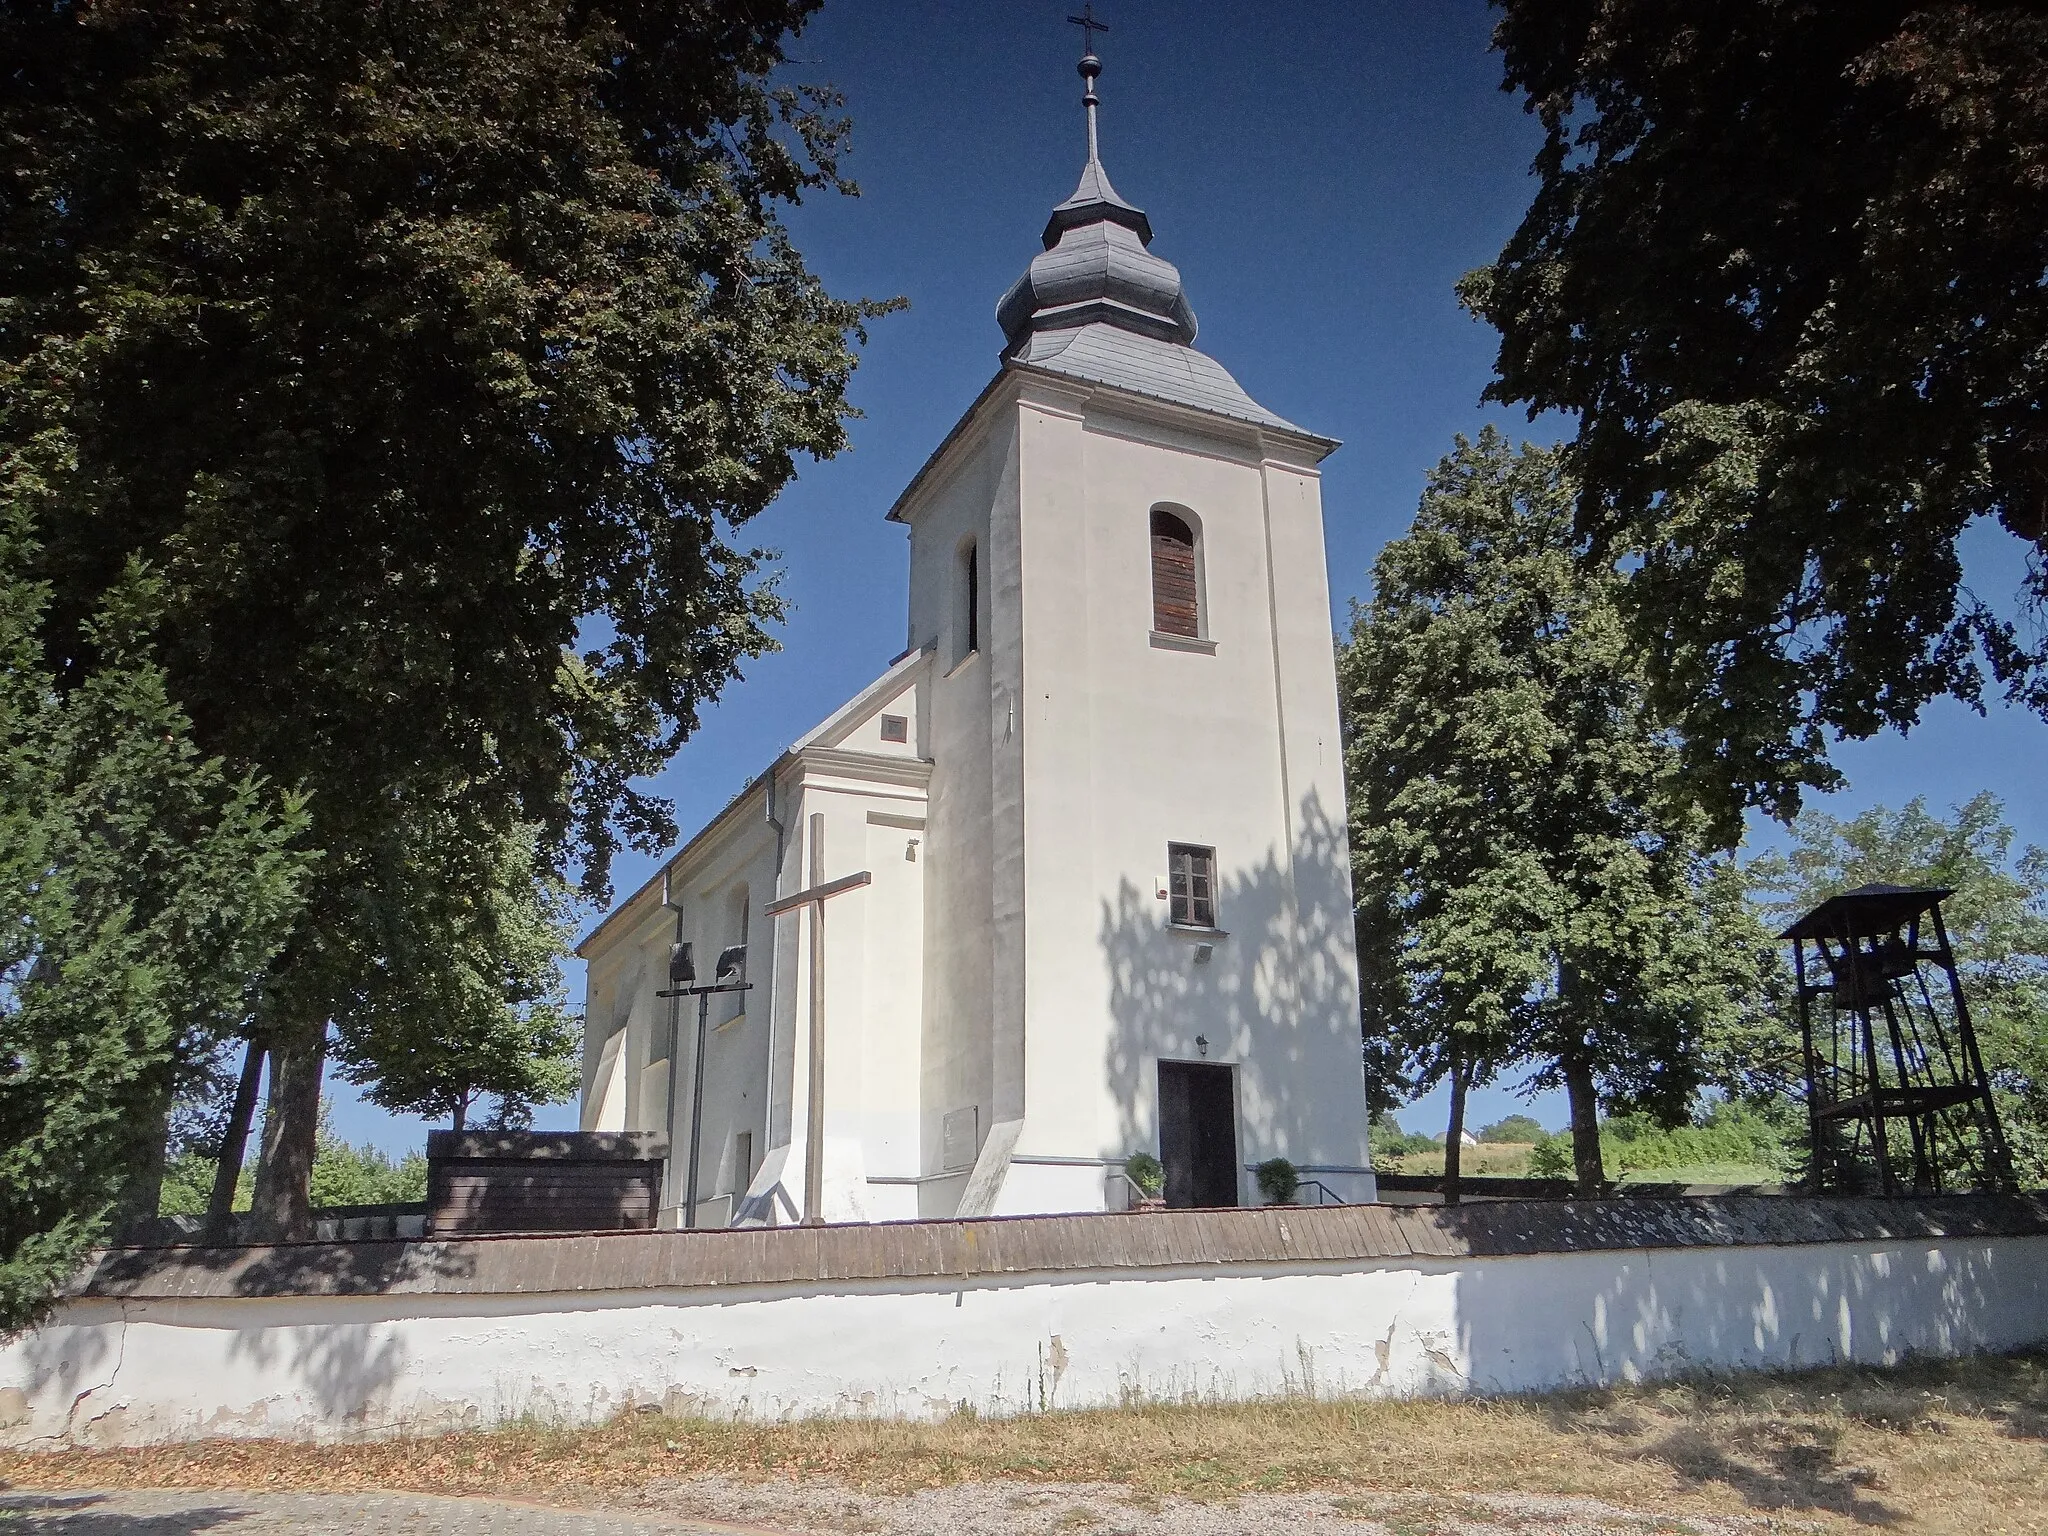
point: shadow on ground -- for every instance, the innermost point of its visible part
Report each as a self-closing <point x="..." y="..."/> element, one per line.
<point x="80" y="1514"/>
<point x="1789" y="1443"/>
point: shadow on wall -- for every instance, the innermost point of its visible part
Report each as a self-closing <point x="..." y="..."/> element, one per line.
<point x="349" y="1371"/>
<point x="1639" y="1313"/>
<point x="1275" y="998"/>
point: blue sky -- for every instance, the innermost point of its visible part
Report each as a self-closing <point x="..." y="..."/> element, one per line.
<point x="1321" y="174"/>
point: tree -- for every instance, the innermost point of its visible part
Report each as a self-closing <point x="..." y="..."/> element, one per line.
<point x="1784" y="267"/>
<point x="469" y="1001"/>
<point x="146" y="892"/>
<point x="433" y="353"/>
<point x="1528" y="889"/>
<point x="1513" y="1129"/>
<point x="1997" y="920"/>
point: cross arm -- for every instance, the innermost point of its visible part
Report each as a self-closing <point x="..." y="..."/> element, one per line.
<point x="797" y="899"/>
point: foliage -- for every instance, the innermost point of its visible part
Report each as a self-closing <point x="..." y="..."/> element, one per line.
<point x="1387" y="1139"/>
<point x="1784" y="269"/>
<point x="1729" y="1133"/>
<point x="146" y="891"/>
<point x="1529" y="889"/>
<point x="342" y="1175"/>
<point x="433" y="354"/>
<point x="1144" y="1170"/>
<point x="1278" y="1180"/>
<point x="467" y="999"/>
<point x="1997" y="921"/>
<point x="346" y="1175"/>
<point x="188" y="1183"/>
<point x="1514" y="1128"/>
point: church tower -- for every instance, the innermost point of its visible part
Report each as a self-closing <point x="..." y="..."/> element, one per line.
<point x="1083" y="841"/>
<point x="1138" y="924"/>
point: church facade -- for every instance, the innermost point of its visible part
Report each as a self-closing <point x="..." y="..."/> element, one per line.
<point x="1098" y="802"/>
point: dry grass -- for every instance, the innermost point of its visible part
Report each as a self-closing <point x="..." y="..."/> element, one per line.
<point x="1938" y="1446"/>
<point x="1490" y="1159"/>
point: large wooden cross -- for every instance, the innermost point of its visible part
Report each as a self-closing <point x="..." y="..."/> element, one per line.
<point x="814" y="896"/>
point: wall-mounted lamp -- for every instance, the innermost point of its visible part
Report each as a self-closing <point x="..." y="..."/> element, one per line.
<point x="1202" y="953"/>
<point x="1201" y="1045"/>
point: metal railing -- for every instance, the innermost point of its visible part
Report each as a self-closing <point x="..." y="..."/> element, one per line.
<point x="1324" y="1194"/>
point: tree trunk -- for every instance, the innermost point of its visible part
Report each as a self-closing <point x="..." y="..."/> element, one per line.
<point x="1454" y="1137"/>
<point x="234" y="1143"/>
<point x="1585" y="1102"/>
<point x="283" y="1207"/>
<point x="461" y="1110"/>
<point x="143" y="1191"/>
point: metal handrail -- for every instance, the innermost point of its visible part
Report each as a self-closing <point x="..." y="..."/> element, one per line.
<point x="1136" y="1192"/>
<point x="1324" y="1194"/>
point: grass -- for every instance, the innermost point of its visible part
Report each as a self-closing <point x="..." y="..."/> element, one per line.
<point x="1496" y="1159"/>
<point x="1510" y="1160"/>
<point x="1937" y="1446"/>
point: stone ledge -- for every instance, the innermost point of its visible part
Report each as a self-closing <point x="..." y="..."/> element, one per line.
<point x="1371" y="1235"/>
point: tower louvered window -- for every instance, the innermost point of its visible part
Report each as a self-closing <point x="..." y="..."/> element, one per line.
<point x="1175" y="603"/>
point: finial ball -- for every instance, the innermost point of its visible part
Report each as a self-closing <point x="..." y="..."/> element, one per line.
<point x="1089" y="67"/>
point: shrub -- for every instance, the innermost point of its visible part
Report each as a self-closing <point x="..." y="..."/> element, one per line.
<point x="1727" y="1133"/>
<point x="1278" y="1180"/>
<point x="1143" y="1170"/>
<point x="1514" y="1129"/>
<point x="1387" y="1139"/>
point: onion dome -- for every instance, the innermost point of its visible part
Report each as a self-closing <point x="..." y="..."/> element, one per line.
<point x="1095" y="266"/>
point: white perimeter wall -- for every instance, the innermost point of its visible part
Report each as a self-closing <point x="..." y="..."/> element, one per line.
<point x="114" y="1373"/>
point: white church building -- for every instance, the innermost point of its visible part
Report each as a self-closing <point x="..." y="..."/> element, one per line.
<point x="1085" y="837"/>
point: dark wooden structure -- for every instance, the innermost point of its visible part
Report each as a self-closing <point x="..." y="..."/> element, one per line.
<point x="542" y="1181"/>
<point x="1888" y="1047"/>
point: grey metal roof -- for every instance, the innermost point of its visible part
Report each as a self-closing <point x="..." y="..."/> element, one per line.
<point x="1104" y="353"/>
<point x="1097" y="305"/>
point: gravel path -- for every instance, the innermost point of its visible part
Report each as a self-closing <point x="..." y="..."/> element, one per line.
<point x="1103" y="1509"/>
<point x="318" y="1514"/>
<point x="716" y="1507"/>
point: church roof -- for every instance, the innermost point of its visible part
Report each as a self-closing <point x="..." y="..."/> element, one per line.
<point x="1097" y="305"/>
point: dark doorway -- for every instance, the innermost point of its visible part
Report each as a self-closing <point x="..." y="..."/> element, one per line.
<point x="1198" y="1133"/>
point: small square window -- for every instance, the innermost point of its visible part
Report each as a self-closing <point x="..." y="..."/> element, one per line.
<point x="1191" y="885"/>
<point x="895" y="728"/>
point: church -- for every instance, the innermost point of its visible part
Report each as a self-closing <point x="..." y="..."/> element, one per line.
<point x="1069" y="880"/>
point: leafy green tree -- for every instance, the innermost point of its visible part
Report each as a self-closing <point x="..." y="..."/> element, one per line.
<point x="1784" y="267"/>
<point x="433" y="353"/>
<point x="146" y="891"/>
<point x="1387" y="1139"/>
<point x="1997" y="920"/>
<point x="469" y="1001"/>
<point x="346" y="1175"/>
<point x="1727" y="1142"/>
<point x="1529" y="890"/>
<point x="342" y="1175"/>
<point x="1513" y="1129"/>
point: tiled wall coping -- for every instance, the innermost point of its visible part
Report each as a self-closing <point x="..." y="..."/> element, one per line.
<point x="1371" y="1235"/>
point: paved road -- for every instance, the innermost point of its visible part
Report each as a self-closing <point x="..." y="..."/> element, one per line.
<point x="314" y="1514"/>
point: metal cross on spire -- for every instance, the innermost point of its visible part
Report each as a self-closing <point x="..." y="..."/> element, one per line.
<point x="1089" y="27"/>
<point x="1090" y="67"/>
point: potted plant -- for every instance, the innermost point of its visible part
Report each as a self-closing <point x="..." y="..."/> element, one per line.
<point x="1145" y="1173"/>
<point x="1278" y="1180"/>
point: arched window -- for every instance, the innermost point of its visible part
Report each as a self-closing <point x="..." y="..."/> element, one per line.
<point x="1176" y="601"/>
<point x="967" y="621"/>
